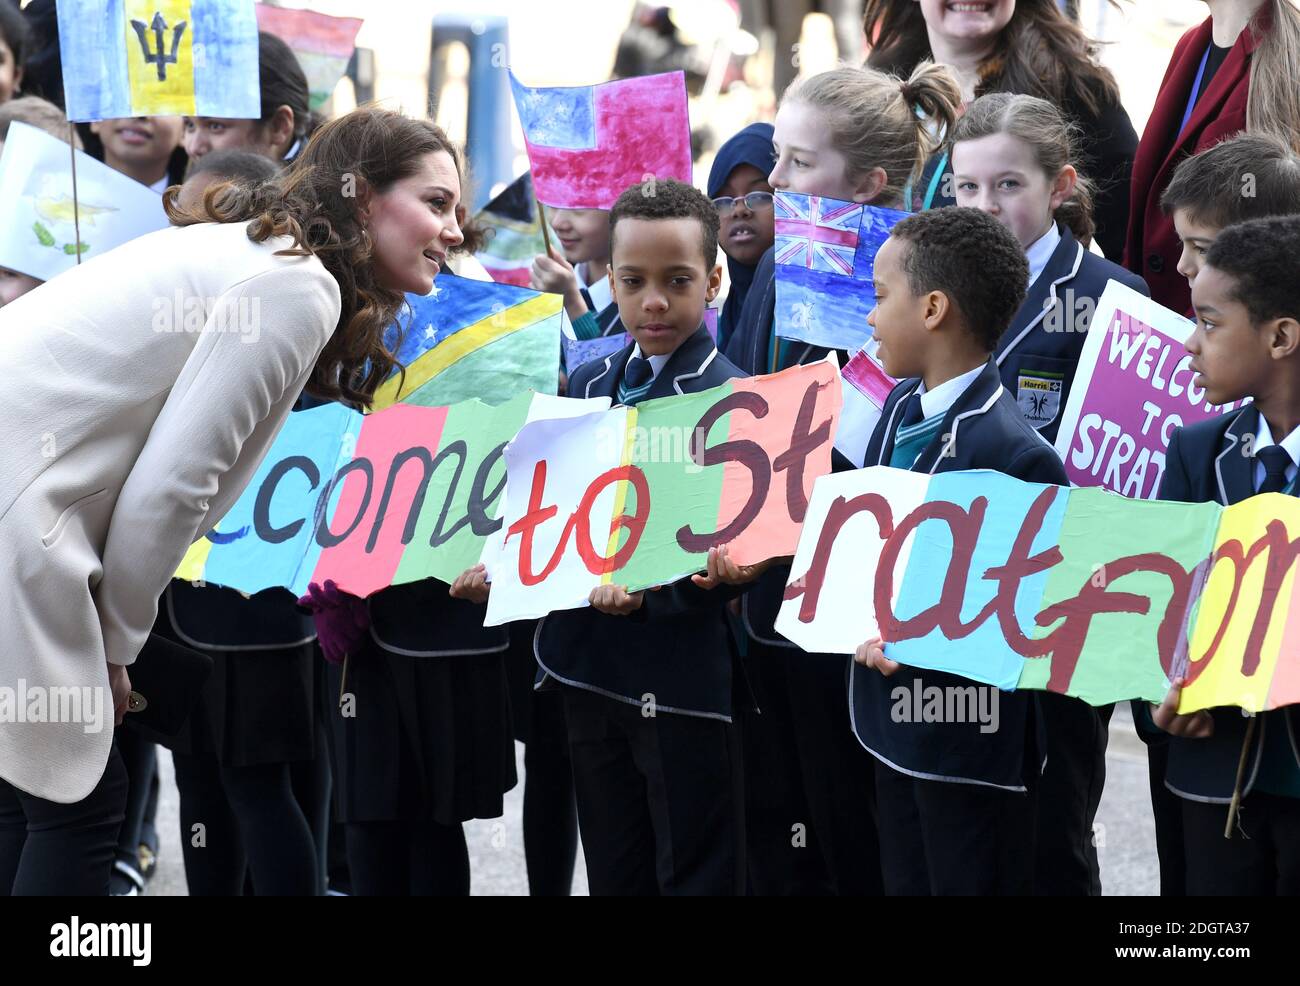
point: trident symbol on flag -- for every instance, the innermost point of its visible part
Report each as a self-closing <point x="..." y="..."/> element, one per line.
<point x="159" y="27"/>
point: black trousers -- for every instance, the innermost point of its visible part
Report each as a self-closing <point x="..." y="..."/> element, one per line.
<point x="1262" y="859"/>
<point x="51" y="849"/>
<point x="658" y="799"/>
<point x="1167" y="810"/>
<point x="783" y="852"/>
<point x="838" y="774"/>
<point x="1069" y="793"/>
<point x="952" y="839"/>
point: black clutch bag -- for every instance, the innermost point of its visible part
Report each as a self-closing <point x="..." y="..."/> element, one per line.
<point x="166" y="680"/>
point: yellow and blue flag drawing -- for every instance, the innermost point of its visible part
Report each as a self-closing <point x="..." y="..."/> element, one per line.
<point x="474" y="339"/>
<point x="159" y="58"/>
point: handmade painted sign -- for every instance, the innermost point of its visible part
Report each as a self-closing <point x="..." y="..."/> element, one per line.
<point x="159" y="58"/>
<point x="825" y="255"/>
<point x="472" y="339"/>
<point x="372" y="500"/>
<point x="323" y="44"/>
<point x="587" y="144"/>
<point x="637" y="496"/>
<point x="514" y="233"/>
<point x="1133" y="387"/>
<point x="1078" y="591"/>
<point x="39" y="234"/>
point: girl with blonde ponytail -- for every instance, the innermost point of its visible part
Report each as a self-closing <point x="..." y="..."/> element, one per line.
<point x="861" y="135"/>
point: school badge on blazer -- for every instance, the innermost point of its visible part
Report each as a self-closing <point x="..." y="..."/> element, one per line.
<point x="1038" y="392"/>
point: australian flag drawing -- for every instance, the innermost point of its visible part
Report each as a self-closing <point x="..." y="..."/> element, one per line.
<point x="825" y="254"/>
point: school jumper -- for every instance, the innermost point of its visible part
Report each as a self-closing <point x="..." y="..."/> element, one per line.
<point x="1208" y="461"/>
<point x="648" y="699"/>
<point x="956" y="806"/>
<point x="1037" y="357"/>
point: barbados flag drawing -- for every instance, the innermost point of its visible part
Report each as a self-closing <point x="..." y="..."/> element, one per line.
<point x="587" y="144"/>
<point x="825" y="255"/>
<point x="159" y="58"/>
<point x="474" y="340"/>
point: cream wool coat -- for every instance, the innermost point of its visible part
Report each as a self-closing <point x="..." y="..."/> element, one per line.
<point x="144" y="388"/>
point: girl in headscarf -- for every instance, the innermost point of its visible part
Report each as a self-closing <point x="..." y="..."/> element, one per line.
<point x="738" y="187"/>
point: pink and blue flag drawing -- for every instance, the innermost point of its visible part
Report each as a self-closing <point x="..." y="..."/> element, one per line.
<point x="825" y="255"/>
<point x="586" y="144"/>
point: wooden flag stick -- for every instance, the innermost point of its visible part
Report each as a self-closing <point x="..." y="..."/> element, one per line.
<point x="541" y="216"/>
<point x="1241" y="773"/>
<point x="76" y="212"/>
<point x="343" y="680"/>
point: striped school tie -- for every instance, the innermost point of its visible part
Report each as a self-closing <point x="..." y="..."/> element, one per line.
<point x="637" y="379"/>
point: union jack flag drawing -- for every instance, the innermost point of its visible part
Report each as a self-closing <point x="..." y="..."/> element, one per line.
<point x="817" y="233"/>
<point x="825" y="255"/>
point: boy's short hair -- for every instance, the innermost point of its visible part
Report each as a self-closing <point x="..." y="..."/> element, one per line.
<point x="667" y="198"/>
<point x="1247" y="177"/>
<point x="235" y="165"/>
<point x="1260" y="256"/>
<point x="973" y="259"/>
<point x="35" y="112"/>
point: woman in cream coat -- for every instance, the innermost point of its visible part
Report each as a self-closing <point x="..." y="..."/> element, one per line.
<point x="147" y="386"/>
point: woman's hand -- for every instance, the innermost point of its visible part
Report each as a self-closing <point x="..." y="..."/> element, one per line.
<point x="119" y="683"/>
<point x="615" y="600"/>
<point x="472" y="584"/>
<point x="721" y="570"/>
<point x="872" y="655"/>
<point x="341" y="618"/>
<point x="1194" y="725"/>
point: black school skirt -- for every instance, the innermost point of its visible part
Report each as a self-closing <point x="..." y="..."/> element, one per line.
<point x="420" y="737"/>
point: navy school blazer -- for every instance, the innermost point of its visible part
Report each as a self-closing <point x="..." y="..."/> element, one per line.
<point x="676" y="646"/>
<point x="983" y="429"/>
<point x="1205" y="462"/>
<point x="1039" y="352"/>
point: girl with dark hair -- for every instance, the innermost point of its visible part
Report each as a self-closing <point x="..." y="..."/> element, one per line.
<point x="1016" y="46"/>
<point x="15" y="39"/>
<point x="286" y="122"/>
<point x="156" y="436"/>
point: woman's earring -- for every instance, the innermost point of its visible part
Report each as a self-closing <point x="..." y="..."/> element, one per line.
<point x="365" y="236"/>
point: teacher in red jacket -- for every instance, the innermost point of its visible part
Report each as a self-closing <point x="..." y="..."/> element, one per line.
<point x="1232" y="73"/>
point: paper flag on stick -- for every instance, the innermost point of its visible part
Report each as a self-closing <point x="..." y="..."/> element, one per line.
<point x="475" y="339"/>
<point x="38" y="236"/>
<point x="587" y="144"/>
<point x="159" y="58"/>
<point x="323" y="44"/>
<point x="514" y="233"/>
<point x="825" y="254"/>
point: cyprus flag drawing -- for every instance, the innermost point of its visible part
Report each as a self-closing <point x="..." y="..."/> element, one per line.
<point x="39" y="235"/>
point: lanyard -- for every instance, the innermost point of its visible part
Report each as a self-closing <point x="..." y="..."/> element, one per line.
<point x="1196" y="88"/>
<point x="934" y="181"/>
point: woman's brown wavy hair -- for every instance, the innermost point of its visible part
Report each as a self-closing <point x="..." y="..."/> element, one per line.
<point x="1041" y="52"/>
<point x="314" y="203"/>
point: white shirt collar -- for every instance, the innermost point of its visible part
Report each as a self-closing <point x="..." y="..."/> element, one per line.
<point x="1041" y="250"/>
<point x="656" y="362"/>
<point x="599" y="292"/>
<point x="1264" y="438"/>
<point x="162" y="184"/>
<point x="945" y="395"/>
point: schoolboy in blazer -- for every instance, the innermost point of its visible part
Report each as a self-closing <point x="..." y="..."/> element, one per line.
<point x="955" y="801"/>
<point x="646" y="676"/>
<point x="1246" y="344"/>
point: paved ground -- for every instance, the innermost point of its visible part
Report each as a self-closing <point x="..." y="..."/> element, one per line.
<point x="1126" y="838"/>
